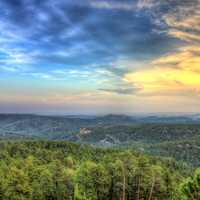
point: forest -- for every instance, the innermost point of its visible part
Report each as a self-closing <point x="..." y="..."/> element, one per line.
<point x="58" y="170"/>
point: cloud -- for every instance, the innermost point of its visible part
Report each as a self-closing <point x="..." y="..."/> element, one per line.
<point x="184" y="35"/>
<point x="172" y="74"/>
<point x="184" y="21"/>
<point x="176" y="72"/>
<point x="69" y="27"/>
<point x="147" y="4"/>
<point x="128" y="90"/>
<point x="186" y="57"/>
<point x="123" y="6"/>
<point x="136" y="49"/>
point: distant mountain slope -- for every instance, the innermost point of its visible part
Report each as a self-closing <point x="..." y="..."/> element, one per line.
<point x="64" y="127"/>
<point x="52" y="127"/>
<point x="143" y="133"/>
<point x="49" y="127"/>
<point x="181" y="142"/>
<point x="156" y="135"/>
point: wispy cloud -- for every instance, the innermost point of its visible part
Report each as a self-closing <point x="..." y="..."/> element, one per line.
<point x="110" y="48"/>
<point x="123" y="6"/>
<point x="147" y="4"/>
<point x="184" y="22"/>
<point x="123" y="90"/>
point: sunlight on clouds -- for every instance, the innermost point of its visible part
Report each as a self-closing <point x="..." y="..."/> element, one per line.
<point x="186" y="36"/>
<point x="184" y="24"/>
<point x="187" y="57"/>
<point x="156" y="79"/>
<point x="178" y="72"/>
<point x="173" y="74"/>
<point x="189" y="22"/>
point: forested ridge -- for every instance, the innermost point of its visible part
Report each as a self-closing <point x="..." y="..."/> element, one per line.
<point x="180" y="141"/>
<point x="172" y="136"/>
<point x="183" y="150"/>
<point x="49" y="170"/>
<point x="27" y="126"/>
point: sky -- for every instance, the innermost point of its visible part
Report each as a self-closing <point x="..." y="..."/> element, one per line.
<point x="99" y="56"/>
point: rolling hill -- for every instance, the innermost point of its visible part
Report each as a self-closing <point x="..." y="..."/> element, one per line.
<point x="175" y="136"/>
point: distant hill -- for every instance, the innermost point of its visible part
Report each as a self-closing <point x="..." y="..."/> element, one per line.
<point x="63" y="127"/>
<point x="180" y="141"/>
<point x="171" y="136"/>
<point x="141" y="133"/>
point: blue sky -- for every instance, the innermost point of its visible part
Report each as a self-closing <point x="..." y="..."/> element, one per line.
<point x="99" y="56"/>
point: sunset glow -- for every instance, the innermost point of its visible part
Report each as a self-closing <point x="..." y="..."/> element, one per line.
<point x="95" y="56"/>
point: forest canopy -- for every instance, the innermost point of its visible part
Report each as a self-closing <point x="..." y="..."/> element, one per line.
<point x="44" y="170"/>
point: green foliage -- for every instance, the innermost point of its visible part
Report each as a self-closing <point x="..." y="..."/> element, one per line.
<point x="189" y="189"/>
<point x="92" y="180"/>
<point x="44" y="170"/>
